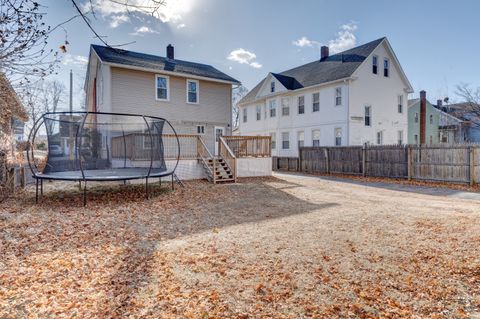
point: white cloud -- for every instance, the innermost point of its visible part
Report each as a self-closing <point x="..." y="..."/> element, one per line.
<point x="77" y="60"/>
<point x="171" y="11"/>
<point x="345" y="40"/>
<point x="117" y="20"/>
<point x="304" y="42"/>
<point x="181" y="26"/>
<point x="143" y="30"/>
<point x="243" y="56"/>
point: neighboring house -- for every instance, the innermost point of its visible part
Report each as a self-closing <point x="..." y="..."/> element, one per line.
<point x="196" y="98"/>
<point x="350" y="98"/>
<point x="469" y="132"/>
<point x="431" y="120"/>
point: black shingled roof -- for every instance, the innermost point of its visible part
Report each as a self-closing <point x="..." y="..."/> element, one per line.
<point x="335" y="67"/>
<point x="148" y="61"/>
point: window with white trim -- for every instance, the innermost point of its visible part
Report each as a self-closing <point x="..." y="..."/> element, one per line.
<point x="200" y="129"/>
<point x="259" y="112"/>
<point x="338" y="136"/>
<point x="400" y="137"/>
<point x="379" y="137"/>
<point x="431" y="119"/>
<point x="315" y="137"/>
<point x="273" y="108"/>
<point x="315" y="102"/>
<point x="285" y="107"/>
<point x="400" y="104"/>
<point x="375" y="64"/>
<point x="300" y="139"/>
<point x="416" y="117"/>
<point x="272" y="87"/>
<point x="338" y="96"/>
<point x="162" y="85"/>
<point x="245" y="115"/>
<point x="192" y="91"/>
<point x="301" y="104"/>
<point x="274" y="140"/>
<point x="386" y="68"/>
<point x="285" y="140"/>
<point x="368" y="115"/>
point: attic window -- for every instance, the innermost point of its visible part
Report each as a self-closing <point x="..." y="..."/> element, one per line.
<point x="272" y="87"/>
<point x="386" y="67"/>
<point x="375" y="64"/>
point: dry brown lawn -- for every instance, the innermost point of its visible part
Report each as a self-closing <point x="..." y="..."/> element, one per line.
<point x="284" y="247"/>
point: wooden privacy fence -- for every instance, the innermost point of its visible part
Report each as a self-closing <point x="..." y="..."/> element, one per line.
<point x="250" y="146"/>
<point x="447" y="163"/>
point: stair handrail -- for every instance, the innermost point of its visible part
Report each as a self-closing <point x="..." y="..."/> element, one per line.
<point x="228" y="156"/>
<point x="202" y="150"/>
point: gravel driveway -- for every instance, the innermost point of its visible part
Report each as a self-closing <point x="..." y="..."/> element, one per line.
<point x="282" y="247"/>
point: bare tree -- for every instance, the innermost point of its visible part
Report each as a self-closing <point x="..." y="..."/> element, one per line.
<point x="471" y="97"/>
<point x="237" y="94"/>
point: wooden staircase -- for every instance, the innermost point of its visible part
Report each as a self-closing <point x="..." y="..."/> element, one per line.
<point x="221" y="168"/>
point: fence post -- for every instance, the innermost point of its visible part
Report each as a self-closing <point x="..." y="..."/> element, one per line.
<point x="409" y="162"/>
<point x="327" y="160"/>
<point x="364" y="159"/>
<point x="299" y="167"/>
<point x="471" y="161"/>
<point x="23" y="181"/>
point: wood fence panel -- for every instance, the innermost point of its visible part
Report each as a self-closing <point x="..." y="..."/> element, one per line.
<point x="313" y="160"/>
<point x="345" y="160"/>
<point x="387" y="161"/>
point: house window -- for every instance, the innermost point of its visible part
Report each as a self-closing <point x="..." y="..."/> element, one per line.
<point x="272" y="87"/>
<point x="375" y="64"/>
<point x="274" y="140"/>
<point x="273" y="108"/>
<point x="301" y="104"/>
<point x="431" y="140"/>
<point x="285" y="107"/>
<point x="380" y="138"/>
<point x="338" y="136"/>
<point x="338" y="96"/>
<point x="368" y="115"/>
<point x="192" y="91"/>
<point x="316" y="138"/>
<point x="300" y="139"/>
<point x="200" y="129"/>
<point x="285" y="140"/>
<point x="245" y="115"/>
<point x="416" y="117"/>
<point x="400" y="137"/>
<point x="386" y="67"/>
<point x="416" y="139"/>
<point x="316" y="102"/>
<point x="147" y="139"/>
<point x="259" y="112"/>
<point x="400" y="104"/>
<point x="162" y="84"/>
<point x="431" y="118"/>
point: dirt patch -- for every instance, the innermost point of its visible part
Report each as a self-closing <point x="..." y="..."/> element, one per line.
<point x="273" y="247"/>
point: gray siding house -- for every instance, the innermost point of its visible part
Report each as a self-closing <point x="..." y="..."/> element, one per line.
<point x="196" y="98"/>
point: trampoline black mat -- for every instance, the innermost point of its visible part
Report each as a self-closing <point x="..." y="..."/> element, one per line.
<point x="112" y="174"/>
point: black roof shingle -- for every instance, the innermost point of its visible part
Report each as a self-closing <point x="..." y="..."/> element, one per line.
<point x="148" y="61"/>
<point x="335" y="67"/>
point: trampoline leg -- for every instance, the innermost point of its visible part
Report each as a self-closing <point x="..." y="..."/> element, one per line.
<point x="173" y="185"/>
<point x="84" y="193"/>
<point x="160" y="181"/>
<point x="36" y="191"/>
<point x="146" y="188"/>
<point x="41" y="188"/>
<point x="80" y="185"/>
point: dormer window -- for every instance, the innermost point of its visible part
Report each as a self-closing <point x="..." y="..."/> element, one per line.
<point x="272" y="87"/>
<point x="386" y="67"/>
<point x="375" y="64"/>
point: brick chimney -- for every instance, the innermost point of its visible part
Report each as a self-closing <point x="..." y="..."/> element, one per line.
<point x="170" y="52"/>
<point x="323" y="53"/>
<point x="423" y="116"/>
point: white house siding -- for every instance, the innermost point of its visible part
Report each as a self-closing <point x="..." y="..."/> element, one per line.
<point x="381" y="93"/>
<point x="135" y="92"/>
<point x="327" y="119"/>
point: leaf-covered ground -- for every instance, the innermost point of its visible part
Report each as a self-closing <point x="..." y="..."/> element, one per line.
<point x="283" y="247"/>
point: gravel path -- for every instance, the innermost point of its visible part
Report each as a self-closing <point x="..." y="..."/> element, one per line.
<point x="284" y="247"/>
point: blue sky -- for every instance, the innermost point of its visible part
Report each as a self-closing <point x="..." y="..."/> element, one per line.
<point x="436" y="41"/>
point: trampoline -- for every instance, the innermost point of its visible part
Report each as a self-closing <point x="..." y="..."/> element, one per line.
<point x="99" y="146"/>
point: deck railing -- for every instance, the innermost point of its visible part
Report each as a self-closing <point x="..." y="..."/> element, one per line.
<point x="228" y="156"/>
<point x="250" y="146"/>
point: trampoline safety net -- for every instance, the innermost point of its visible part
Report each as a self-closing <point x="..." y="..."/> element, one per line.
<point x="104" y="146"/>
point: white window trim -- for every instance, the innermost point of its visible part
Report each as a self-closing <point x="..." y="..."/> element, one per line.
<point x="168" y="87"/>
<point x="369" y="115"/>
<point x="400" y="97"/>
<point x="282" y="135"/>
<point x="298" y="104"/>
<point x="201" y="126"/>
<point x="375" y="56"/>
<point x="313" y="101"/>
<point x="335" y="96"/>
<point x="383" y="67"/>
<point x="198" y="91"/>
<point x="319" y="136"/>
<point x="258" y="111"/>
